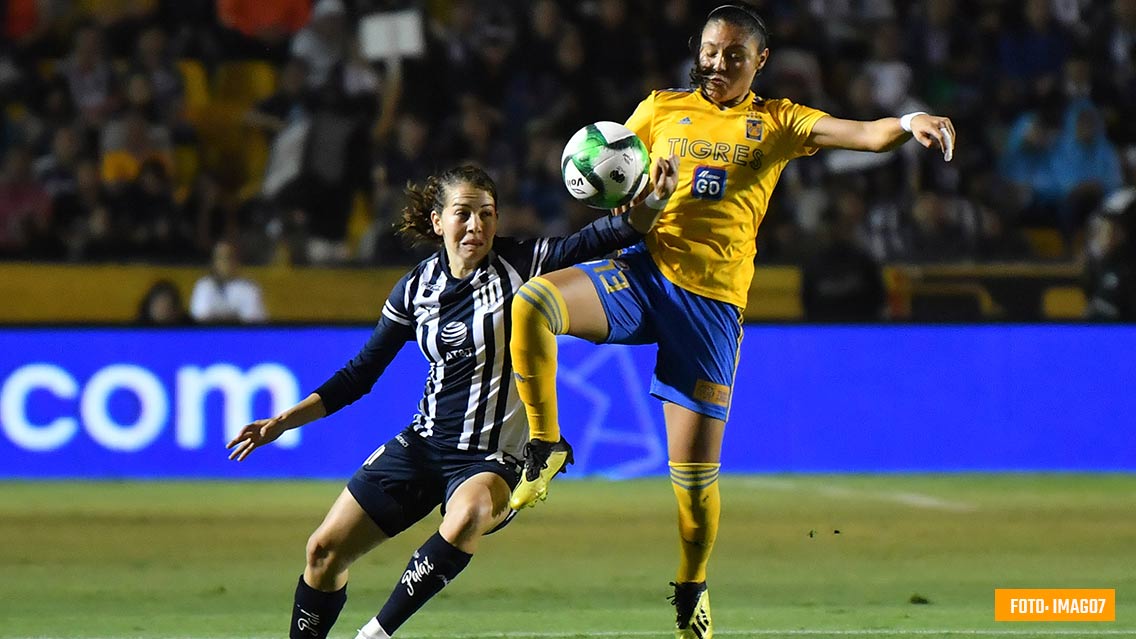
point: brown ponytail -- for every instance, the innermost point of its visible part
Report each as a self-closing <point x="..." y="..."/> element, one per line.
<point x="416" y="224"/>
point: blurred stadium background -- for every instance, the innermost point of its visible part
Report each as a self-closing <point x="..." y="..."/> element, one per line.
<point x="938" y="362"/>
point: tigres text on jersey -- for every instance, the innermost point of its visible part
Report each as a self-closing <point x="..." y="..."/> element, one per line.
<point x="729" y="161"/>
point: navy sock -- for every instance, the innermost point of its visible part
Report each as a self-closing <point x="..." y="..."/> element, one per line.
<point x="315" y="611"/>
<point x="433" y="566"/>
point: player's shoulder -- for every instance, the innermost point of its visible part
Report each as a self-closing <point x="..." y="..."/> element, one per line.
<point x="433" y="260"/>
<point x="772" y="105"/>
<point x="431" y="263"/>
<point x="517" y="253"/>
<point x="780" y="104"/>
<point x="784" y="109"/>
<point x="509" y="248"/>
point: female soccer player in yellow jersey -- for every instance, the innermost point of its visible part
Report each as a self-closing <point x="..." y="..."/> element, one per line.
<point x="685" y="287"/>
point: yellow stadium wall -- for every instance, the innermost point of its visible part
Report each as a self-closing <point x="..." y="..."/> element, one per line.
<point x="51" y="293"/>
<point x="39" y="293"/>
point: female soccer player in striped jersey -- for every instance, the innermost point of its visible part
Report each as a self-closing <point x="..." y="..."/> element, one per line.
<point x="463" y="447"/>
<point x="685" y="287"/>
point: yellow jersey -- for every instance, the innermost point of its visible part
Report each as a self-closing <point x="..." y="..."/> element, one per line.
<point x="730" y="159"/>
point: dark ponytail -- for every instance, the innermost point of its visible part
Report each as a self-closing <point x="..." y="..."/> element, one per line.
<point x="416" y="224"/>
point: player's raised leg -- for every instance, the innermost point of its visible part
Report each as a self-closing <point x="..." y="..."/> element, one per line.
<point x="563" y="302"/>
<point x="347" y="532"/>
<point x="694" y="444"/>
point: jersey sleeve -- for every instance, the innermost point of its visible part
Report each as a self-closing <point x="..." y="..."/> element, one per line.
<point x="544" y="255"/>
<point x="642" y="120"/>
<point x="394" y="329"/>
<point x="798" y="121"/>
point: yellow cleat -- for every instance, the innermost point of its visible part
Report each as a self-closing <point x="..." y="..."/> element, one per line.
<point x="692" y="605"/>
<point x="543" y="460"/>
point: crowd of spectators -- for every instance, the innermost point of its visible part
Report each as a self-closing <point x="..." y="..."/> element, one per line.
<point x="110" y="152"/>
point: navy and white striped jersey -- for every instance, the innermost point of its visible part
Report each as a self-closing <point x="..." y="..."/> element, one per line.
<point x="462" y="327"/>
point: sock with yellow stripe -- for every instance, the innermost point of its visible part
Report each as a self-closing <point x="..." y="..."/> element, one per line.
<point x="699" y="506"/>
<point x="539" y="315"/>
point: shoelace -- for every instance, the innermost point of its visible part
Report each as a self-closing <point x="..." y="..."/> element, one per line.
<point x="530" y="453"/>
<point x="683" y="603"/>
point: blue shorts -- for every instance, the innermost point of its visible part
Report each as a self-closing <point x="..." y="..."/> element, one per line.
<point x="409" y="476"/>
<point x="698" y="337"/>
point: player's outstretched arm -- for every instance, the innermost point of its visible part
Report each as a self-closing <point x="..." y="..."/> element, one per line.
<point x="662" y="184"/>
<point x="265" y="431"/>
<point x="885" y="134"/>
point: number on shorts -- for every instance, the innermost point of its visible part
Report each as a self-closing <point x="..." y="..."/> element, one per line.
<point x="613" y="279"/>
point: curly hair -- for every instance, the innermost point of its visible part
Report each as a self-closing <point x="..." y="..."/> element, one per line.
<point x="416" y="225"/>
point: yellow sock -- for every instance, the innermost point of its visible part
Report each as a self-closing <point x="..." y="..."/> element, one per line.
<point x="539" y="315"/>
<point x="699" y="506"/>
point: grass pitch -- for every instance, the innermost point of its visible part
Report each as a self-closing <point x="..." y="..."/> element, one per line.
<point x="797" y="556"/>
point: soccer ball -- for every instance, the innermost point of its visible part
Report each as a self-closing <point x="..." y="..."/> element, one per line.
<point x="604" y="165"/>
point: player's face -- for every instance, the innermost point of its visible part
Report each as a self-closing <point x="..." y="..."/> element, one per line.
<point x="729" y="59"/>
<point x="467" y="223"/>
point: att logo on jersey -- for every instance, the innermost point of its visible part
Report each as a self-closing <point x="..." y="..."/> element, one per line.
<point x="460" y="353"/>
<point x="454" y="333"/>
<point x="739" y="154"/>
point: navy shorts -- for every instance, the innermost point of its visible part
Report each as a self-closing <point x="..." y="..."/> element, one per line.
<point x="409" y="476"/>
<point x="698" y="337"/>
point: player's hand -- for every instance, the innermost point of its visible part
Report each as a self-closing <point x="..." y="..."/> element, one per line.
<point x="255" y="435"/>
<point x="664" y="176"/>
<point x="644" y="191"/>
<point x="935" y="130"/>
<point x="662" y="180"/>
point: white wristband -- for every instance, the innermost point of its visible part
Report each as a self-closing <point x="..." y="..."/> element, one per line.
<point x="905" y="120"/>
<point x="653" y="201"/>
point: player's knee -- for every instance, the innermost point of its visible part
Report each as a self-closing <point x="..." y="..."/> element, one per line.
<point x="322" y="553"/>
<point x="469" y="517"/>
<point x="538" y="303"/>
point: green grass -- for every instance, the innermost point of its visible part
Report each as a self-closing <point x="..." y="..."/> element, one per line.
<point x="180" y="559"/>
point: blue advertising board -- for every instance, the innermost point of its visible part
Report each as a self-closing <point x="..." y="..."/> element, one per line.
<point x="148" y="403"/>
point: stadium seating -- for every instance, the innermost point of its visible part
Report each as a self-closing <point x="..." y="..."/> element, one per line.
<point x="954" y="301"/>
<point x="1045" y="243"/>
<point x="1063" y="303"/>
<point x="187" y="163"/>
<point x="245" y="82"/>
<point x="195" y="83"/>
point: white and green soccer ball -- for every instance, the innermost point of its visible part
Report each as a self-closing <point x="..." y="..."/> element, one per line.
<point x="604" y="165"/>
